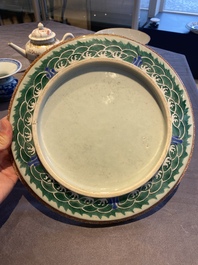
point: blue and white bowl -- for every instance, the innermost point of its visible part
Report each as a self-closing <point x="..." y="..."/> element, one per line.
<point x="8" y="67"/>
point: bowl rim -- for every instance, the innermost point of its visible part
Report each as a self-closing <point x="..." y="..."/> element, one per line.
<point x="15" y="62"/>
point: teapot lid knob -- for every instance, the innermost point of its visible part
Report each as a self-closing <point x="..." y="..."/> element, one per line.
<point x="41" y="33"/>
<point x="40" y="26"/>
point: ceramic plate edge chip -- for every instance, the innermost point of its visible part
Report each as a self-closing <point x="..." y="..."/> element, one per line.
<point x="71" y="204"/>
<point x="89" y="186"/>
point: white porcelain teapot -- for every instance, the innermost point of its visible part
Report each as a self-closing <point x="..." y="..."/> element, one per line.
<point x="40" y="40"/>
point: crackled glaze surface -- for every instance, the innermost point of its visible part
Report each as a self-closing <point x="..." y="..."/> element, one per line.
<point x="101" y="127"/>
<point x="34" y="175"/>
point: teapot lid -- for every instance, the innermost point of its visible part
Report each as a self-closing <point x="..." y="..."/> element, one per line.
<point x="41" y="33"/>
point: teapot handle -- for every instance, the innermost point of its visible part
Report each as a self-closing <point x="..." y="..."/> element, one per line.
<point x="67" y="35"/>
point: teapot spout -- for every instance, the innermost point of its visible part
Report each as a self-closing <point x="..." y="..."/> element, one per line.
<point x="18" y="49"/>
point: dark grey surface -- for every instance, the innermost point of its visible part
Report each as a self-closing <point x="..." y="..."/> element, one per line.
<point x="30" y="233"/>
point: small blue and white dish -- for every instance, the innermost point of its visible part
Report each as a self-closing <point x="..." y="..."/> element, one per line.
<point x="8" y="67"/>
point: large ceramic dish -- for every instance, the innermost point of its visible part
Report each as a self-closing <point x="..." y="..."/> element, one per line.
<point x="102" y="128"/>
<point x="132" y="34"/>
<point x="70" y="203"/>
